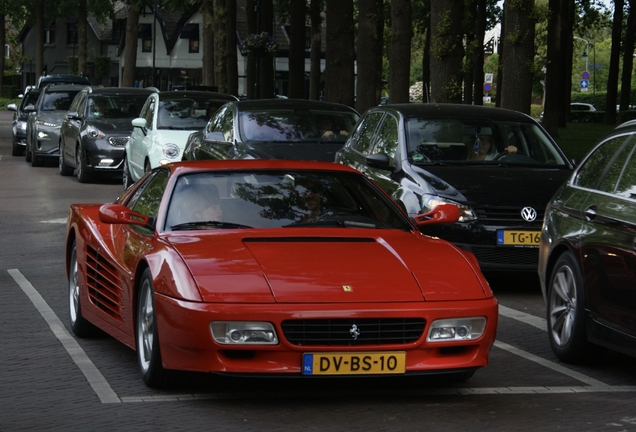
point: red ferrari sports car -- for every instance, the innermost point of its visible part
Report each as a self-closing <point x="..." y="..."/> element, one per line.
<point x="275" y="267"/>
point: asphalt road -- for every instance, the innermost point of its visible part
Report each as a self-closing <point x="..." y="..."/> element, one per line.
<point x="51" y="381"/>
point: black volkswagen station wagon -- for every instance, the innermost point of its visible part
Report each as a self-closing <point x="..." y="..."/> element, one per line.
<point x="500" y="167"/>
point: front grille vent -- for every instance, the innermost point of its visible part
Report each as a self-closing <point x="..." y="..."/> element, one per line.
<point x="505" y="214"/>
<point x="341" y="332"/>
<point x="103" y="286"/>
<point x="119" y="141"/>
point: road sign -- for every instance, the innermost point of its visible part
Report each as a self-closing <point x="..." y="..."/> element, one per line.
<point x="489" y="77"/>
<point x="487" y="87"/>
<point x="585" y="75"/>
<point x="584" y="84"/>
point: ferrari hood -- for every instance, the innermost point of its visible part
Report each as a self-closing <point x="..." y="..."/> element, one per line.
<point x="495" y="185"/>
<point x="383" y="267"/>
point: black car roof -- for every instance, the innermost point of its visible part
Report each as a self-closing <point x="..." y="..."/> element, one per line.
<point x="62" y="87"/>
<point x="455" y="111"/>
<point x="257" y="104"/>
<point x="119" y="90"/>
<point x="62" y="79"/>
<point x="196" y="93"/>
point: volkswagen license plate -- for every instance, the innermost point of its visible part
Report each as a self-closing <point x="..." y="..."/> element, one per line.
<point x="518" y="238"/>
<point x="393" y="362"/>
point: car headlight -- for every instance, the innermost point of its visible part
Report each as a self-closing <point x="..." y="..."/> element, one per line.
<point x="21" y="125"/>
<point x="243" y="333"/>
<point x="45" y="123"/>
<point x="171" y="150"/>
<point x="93" y="132"/>
<point x="466" y="213"/>
<point x="42" y="135"/>
<point x="456" y="329"/>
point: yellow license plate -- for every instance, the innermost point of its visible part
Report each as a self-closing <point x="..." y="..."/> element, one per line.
<point x="518" y="238"/>
<point x="393" y="362"/>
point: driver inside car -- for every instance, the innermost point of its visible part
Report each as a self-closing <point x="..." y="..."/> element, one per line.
<point x="484" y="148"/>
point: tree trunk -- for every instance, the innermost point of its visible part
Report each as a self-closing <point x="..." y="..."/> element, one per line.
<point x="266" y="81"/>
<point x="628" y="57"/>
<point x="339" y="72"/>
<point x="555" y="75"/>
<point x="447" y="50"/>
<point x="368" y="49"/>
<point x="130" y="50"/>
<point x="251" y="83"/>
<point x="426" y="62"/>
<point x="232" y="59"/>
<point x="208" y="43"/>
<point x="3" y="38"/>
<point x="220" y="45"/>
<point x="516" y="86"/>
<point x="612" y="79"/>
<point x="478" y="57"/>
<point x="297" y="12"/>
<point x="400" y="53"/>
<point x="473" y="49"/>
<point x="316" y="49"/>
<point x="82" y="38"/>
<point x="39" y="39"/>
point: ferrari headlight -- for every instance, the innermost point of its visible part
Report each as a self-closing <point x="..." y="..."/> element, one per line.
<point x="243" y="333"/>
<point x="456" y="329"/>
<point x="171" y="150"/>
<point x="466" y="213"/>
<point x="93" y="132"/>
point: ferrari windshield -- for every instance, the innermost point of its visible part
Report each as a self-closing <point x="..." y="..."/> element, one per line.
<point x="274" y="199"/>
<point x="297" y="125"/>
<point x="475" y="141"/>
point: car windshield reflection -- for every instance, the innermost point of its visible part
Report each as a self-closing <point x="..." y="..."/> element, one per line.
<point x="276" y="199"/>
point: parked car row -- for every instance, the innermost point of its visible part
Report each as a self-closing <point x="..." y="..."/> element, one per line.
<point x="491" y="181"/>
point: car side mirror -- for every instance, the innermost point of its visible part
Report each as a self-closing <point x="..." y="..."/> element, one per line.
<point x="140" y="122"/>
<point x="380" y="161"/>
<point x="215" y="138"/>
<point x="120" y="214"/>
<point x="73" y="115"/>
<point x="12" y="107"/>
<point x="29" y="108"/>
<point x="443" y="213"/>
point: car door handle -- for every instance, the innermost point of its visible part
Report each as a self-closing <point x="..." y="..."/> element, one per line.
<point x="590" y="213"/>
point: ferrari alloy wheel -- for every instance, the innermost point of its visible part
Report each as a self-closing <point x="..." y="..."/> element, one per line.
<point x="65" y="170"/>
<point x="82" y="174"/>
<point x="79" y="325"/>
<point x="566" y="314"/>
<point x="148" y="353"/>
<point x="126" y="175"/>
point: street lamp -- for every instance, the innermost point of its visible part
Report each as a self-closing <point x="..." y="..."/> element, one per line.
<point x="587" y="44"/>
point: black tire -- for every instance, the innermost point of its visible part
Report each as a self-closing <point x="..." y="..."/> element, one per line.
<point x="566" y="314"/>
<point x="127" y="181"/>
<point x="36" y="161"/>
<point x="17" y="150"/>
<point x="147" y="338"/>
<point x="65" y="170"/>
<point x="27" y="153"/>
<point x="82" y="169"/>
<point x="147" y="166"/>
<point x="80" y="326"/>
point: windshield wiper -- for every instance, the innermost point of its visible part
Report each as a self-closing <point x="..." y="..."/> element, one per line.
<point x="336" y="223"/>
<point x="206" y="224"/>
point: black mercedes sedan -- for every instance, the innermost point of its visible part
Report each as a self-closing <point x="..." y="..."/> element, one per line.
<point x="97" y="127"/>
<point x="274" y="129"/>
<point x="500" y="167"/>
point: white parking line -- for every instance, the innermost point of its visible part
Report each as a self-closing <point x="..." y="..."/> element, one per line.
<point x="83" y="362"/>
<point x="107" y="395"/>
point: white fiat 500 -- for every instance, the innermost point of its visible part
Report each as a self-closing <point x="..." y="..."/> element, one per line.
<point x="162" y="129"/>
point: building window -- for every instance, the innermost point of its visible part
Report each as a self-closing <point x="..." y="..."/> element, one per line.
<point x="71" y="33"/>
<point x="49" y="34"/>
<point x="6" y="50"/>
<point x="145" y="34"/>
<point x="194" y="46"/>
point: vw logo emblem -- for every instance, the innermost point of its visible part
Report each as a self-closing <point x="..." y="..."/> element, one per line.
<point x="528" y="214"/>
<point x="354" y="331"/>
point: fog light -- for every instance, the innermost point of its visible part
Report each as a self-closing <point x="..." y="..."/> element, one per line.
<point x="243" y="333"/>
<point x="455" y="329"/>
<point x="105" y="162"/>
